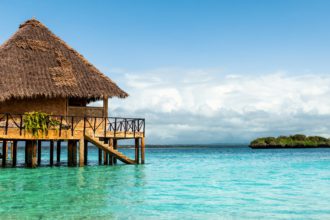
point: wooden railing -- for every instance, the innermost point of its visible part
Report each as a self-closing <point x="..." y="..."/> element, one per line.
<point x="88" y="124"/>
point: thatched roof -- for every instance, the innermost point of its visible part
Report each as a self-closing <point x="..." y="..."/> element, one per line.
<point x="36" y="63"/>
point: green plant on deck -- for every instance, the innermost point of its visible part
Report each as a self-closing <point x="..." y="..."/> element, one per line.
<point x="34" y="122"/>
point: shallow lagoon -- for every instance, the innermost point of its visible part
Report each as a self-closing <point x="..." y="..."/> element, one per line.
<point x="192" y="183"/>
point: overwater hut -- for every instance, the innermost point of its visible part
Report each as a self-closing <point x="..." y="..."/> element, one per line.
<point x="40" y="73"/>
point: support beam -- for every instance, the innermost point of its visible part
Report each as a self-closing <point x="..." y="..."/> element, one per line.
<point x="14" y="153"/>
<point x="7" y="149"/>
<point x="31" y="147"/>
<point x="39" y="153"/>
<point x="137" y="153"/>
<point x="115" y="146"/>
<point x="11" y="150"/>
<point x="142" y="150"/>
<point x="51" y="153"/>
<point x="110" y="156"/>
<point x="26" y="153"/>
<point x="81" y="152"/>
<point x="70" y="147"/>
<point x="4" y="152"/>
<point x="58" y="152"/>
<point x="100" y="156"/>
<point x="86" y="152"/>
<point x="74" y="153"/>
<point x="105" y="154"/>
<point x="105" y="106"/>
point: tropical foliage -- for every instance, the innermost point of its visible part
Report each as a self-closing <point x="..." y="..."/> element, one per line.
<point x="298" y="140"/>
<point x="39" y="122"/>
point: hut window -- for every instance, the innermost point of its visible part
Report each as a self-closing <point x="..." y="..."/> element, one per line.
<point x="77" y="102"/>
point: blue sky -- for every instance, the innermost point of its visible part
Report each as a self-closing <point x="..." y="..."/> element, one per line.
<point x="187" y="62"/>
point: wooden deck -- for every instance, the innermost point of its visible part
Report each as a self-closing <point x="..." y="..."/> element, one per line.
<point x="103" y="132"/>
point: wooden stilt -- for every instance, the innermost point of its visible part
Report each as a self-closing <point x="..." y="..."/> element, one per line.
<point x="34" y="154"/>
<point x="81" y="152"/>
<point x="70" y="146"/>
<point x="137" y="159"/>
<point x="86" y="152"/>
<point x="115" y="146"/>
<point x="105" y="154"/>
<point x="74" y="153"/>
<point x="58" y="152"/>
<point x="4" y="153"/>
<point x="142" y="150"/>
<point x="31" y="153"/>
<point x="26" y="152"/>
<point x="7" y="143"/>
<point x="39" y="153"/>
<point x="51" y="153"/>
<point x="11" y="150"/>
<point x="100" y="156"/>
<point x="110" y="156"/>
<point x="14" y="153"/>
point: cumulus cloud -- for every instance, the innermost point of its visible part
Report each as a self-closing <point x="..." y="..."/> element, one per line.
<point x="210" y="106"/>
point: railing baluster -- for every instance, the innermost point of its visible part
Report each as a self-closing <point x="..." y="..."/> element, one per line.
<point x="105" y="126"/>
<point x="61" y="123"/>
<point x="21" y="125"/>
<point x="72" y="128"/>
<point x="115" y="127"/>
<point x="144" y="128"/>
<point x="125" y="126"/>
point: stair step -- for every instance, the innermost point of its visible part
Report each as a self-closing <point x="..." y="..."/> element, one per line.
<point x="112" y="151"/>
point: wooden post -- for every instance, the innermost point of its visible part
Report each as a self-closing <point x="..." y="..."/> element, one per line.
<point x="11" y="149"/>
<point x="70" y="146"/>
<point x="115" y="147"/>
<point x="14" y="153"/>
<point x="111" y="147"/>
<point x="137" y="159"/>
<point x="81" y="152"/>
<point x="51" y="153"/>
<point x="31" y="153"/>
<point x="7" y="149"/>
<point x="142" y="150"/>
<point x="105" y="106"/>
<point x="26" y="152"/>
<point x="58" y="152"/>
<point x="100" y="156"/>
<point x="74" y="153"/>
<point x="39" y="152"/>
<point x="4" y="153"/>
<point x="86" y="152"/>
<point x="105" y="154"/>
<point x="34" y="154"/>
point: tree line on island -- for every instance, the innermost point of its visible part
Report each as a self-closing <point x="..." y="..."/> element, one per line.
<point x="293" y="141"/>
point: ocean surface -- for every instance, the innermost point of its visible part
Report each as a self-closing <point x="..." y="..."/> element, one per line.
<point x="176" y="183"/>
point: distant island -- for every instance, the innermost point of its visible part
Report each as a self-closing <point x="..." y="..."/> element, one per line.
<point x="293" y="141"/>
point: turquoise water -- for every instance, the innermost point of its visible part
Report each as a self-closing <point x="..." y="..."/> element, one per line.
<point x="208" y="183"/>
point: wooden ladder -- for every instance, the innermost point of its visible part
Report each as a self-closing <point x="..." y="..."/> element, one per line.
<point x="120" y="156"/>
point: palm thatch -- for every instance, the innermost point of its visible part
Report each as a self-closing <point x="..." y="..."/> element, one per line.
<point x="36" y="63"/>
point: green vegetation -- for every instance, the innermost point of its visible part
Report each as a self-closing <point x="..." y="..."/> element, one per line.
<point x="298" y="140"/>
<point x="36" y="122"/>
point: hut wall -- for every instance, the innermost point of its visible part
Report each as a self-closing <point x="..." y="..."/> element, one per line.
<point x="86" y="111"/>
<point x="56" y="106"/>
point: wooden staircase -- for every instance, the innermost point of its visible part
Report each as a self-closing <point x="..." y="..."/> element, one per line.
<point x="120" y="156"/>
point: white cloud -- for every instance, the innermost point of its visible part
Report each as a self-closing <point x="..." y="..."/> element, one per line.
<point x="197" y="106"/>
